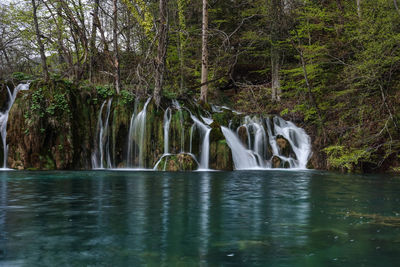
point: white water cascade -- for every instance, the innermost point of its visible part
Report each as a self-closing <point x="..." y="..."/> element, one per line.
<point x="205" y="147"/>
<point x="259" y="143"/>
<point x="167" y="122"/>
<point x="137" y="133"/>
<point x="242" y="157"/>
<point x="103" y="138"/>
<point x="176" y="104"/>
<point x="4" y="118"/>
<point x="298" y="139"/>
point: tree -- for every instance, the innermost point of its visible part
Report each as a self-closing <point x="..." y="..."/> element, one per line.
<point x="161" y="50"/>
<point x="276" y="35"/>
<point x="204" y="54"/>
<point x="117" y="74"/>
<point x="39" y="41"/>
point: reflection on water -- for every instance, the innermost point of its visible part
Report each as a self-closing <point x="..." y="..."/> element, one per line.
<point x="252" y="218"/>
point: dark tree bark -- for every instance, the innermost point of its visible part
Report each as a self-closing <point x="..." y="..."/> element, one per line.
<point x="161" y="51"/>
<point x="43" y="58"/>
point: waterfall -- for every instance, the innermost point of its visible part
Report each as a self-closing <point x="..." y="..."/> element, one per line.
<point x="205" y="142"/>
<point x="191" y="137"/>
<point x="178" y="107"/>
<point x="258" y="155"/>
<point x="298" y="139"/>
<point x="242" y="157"/>
<point x="167" y="122"/>
<point x="137" y="132"/>
<point x="4" y="118"/>
<point x="103" y="139"/>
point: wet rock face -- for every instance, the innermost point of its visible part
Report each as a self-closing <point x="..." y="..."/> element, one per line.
<point x="284" y="147"/>
<point x="277" y="162"/>
<point x="243" y="135"/>
<point x="179" y="162"/>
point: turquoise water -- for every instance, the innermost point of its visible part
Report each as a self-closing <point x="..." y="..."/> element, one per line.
<point x="243" y="218"/>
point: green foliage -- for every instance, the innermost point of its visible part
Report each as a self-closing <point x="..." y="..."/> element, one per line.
<point x="346" y="158"/>
<point x="105" y="91"/>
<point x="20" y="76"/>
<point x="58" y="105"/>
<point x="127" y="97"/>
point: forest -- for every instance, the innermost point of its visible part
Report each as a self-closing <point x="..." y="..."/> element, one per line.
<point x="330" y="66"/>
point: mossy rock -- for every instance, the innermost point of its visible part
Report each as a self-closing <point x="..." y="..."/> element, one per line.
<point x="220" y="152"/>
<point x="285" y="147"/>
<point x="220" y="156"/>
<point x="277" y="162"/>
<point x="177" y="162"/>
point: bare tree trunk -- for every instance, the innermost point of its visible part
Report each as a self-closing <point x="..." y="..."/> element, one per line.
<point x="396" y="6"/>
<point x="39" y="41"/>
<point x="117" y="75"/>
<point x="161" y="51"/>
<point x="277" y="9"/>
<point x="93" y="40"/>
<point x="275" y="77"/>
<point x="204" y="56"/>
<point x="359" y="9"/>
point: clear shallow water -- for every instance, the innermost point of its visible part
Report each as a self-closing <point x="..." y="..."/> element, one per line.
<point x="243" y="218"/>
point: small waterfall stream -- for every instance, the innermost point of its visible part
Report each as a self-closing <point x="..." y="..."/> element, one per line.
<point x="167" y="122"/>
<point x="205" y="147"/>
<point x="4" y="118"/>
<point x="103" y="138"/>
<point x="242" y="157"/>
<point x="136" y="138"/>
<point x="298" y="139"/>
<point x="176" y="104"/>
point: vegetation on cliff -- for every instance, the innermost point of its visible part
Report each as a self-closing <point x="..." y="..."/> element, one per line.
<point x="329" y="66"/>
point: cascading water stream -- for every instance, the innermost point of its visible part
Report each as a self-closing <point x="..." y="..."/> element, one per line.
<point x="178" y="107"/>
<point x="103" y="139"/>
<point x="137" y="132"/>
<point x="258" y="155"/>
<point x="4" y="118"/>
<point x="298" y="139"/>
<point x="205" y="147"/>
<point x="242" y="157"/>
<point x="167" y="122"/>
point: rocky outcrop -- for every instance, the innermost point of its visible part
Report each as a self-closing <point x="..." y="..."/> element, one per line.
<point x="177" y="162"/>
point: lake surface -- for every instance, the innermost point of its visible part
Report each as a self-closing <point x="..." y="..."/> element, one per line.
<point x="242" y="218"/>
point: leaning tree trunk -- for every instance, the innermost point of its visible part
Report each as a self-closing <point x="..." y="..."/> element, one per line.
<point x="161" y="52"/>
<point x="204" y="56"/>
<point x="39" y="41"/>
<point x="117" y="74"/>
